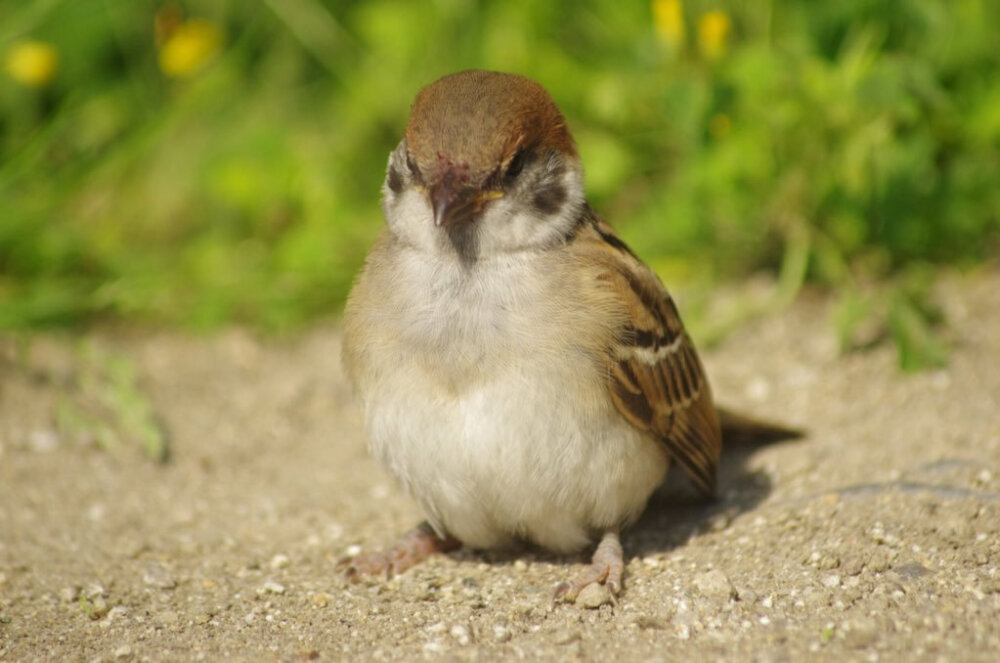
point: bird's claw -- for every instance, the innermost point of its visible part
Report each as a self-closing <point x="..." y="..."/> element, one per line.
<point x="416" y="545"/>
<point x="605" y="571"/>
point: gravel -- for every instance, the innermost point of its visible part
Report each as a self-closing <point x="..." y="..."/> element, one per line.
<point x="876" y="537"/>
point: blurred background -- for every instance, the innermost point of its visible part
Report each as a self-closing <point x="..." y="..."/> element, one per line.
<point x="197" y="164"/>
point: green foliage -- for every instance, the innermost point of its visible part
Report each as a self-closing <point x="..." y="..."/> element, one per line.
<point x="105" y="406"/>
<point x="828" y="142"/>
<point x="903" y="311"/>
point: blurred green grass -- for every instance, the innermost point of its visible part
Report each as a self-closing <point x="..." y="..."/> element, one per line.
<point x="204" y="163"/>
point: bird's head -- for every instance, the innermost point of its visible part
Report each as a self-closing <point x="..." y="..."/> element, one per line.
<point x="486" y="165"/>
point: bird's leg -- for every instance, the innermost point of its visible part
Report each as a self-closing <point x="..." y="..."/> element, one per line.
<point x="414" y="547"/>
<point x="606" y="568"/>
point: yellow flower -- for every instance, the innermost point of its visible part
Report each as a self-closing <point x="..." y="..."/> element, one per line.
<point x="713" y="34"/>
<point x="32" y="63"/>
<point x="189" y="47"/>
<point x="668" y="20"/>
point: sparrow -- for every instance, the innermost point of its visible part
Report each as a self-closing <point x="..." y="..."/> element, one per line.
<point x="522" y="373"/>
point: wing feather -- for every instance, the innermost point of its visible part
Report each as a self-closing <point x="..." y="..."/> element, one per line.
<point x="656" y="380"/>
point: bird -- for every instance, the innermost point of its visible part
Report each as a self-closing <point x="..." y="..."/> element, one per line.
<point x="521" y="372"/>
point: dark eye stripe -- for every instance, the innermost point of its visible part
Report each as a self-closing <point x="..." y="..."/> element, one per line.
<point x="394" y="180"/>
<point x="517" y="164"/>
<point x="414" y="171"/>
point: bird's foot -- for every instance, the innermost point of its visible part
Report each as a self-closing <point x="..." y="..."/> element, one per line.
<point x="414" y="547"/>
<point x="604" y="573"/>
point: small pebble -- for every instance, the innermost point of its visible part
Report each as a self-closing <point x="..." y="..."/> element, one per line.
<point x="271" y="587"/>
<point x="594" y="596"/>
<point x="158" y="577"/>
<point x="123" y="652"/>
<point x="714" y="585"/>
<point x="97" y="608"/>
<point x="720" y="522"/>
<point x="501" y="633"/>
<point x="279" y="561"/>
<point x="566" y="636"/>
<point x="648" y="623"/>
<point x="878" y="561"/>
<point x="828" y="561"/>
<point x="116" y="613"/>
<point x="912" y="570"/>
<point x="461" y="634"/>
<point x="166" y="618"/>
<point x="853" y="565"/>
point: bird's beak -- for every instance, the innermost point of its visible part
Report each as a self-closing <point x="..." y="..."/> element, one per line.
<point x="456" y="203"/>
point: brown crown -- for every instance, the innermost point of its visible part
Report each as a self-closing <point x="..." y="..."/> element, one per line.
<point x="473" y="122"/>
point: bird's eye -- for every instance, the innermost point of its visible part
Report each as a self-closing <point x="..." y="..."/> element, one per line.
<point x="516" y="165"/>
<point x="414" y="171"/>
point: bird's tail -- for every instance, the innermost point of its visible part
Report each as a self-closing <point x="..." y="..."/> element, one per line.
<point x="742" y="429"/>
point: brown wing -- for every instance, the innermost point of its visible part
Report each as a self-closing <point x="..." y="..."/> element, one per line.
<point x="657" y="381"/>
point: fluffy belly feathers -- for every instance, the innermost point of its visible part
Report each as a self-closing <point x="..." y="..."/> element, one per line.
<point x="509" y="458"/>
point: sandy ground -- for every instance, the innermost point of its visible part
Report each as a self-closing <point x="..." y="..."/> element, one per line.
<point x="877" y="537"/>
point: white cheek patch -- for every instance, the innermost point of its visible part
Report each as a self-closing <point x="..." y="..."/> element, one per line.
<point x="513" y="224"/>
<point x="410" y="218"/>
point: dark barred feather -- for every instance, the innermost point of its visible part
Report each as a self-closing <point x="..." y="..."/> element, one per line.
<point x="657" y="381"/>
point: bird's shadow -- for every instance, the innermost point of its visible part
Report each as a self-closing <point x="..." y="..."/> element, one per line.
<point x="676" y="513"/>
